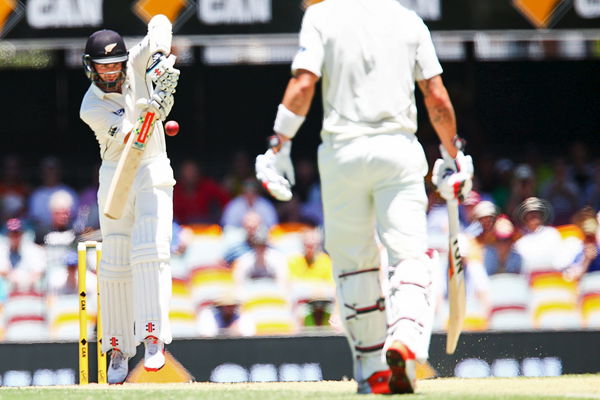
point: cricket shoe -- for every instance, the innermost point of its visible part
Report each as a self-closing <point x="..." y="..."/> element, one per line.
<point x="403" y="367"/>
<point x="154" y="356"/>
<point x="118" y="368"/>
<point x="377" y="383"/>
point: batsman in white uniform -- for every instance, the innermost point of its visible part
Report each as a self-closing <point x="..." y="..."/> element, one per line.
<point x="134" y="274"/>
<point x="369" y="54"/>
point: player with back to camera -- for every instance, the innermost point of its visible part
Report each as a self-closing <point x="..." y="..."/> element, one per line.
<point x="135" y="273"/>
<point x="369" y="53"/>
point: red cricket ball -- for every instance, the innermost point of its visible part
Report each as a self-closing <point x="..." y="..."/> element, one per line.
<point x="171" y="128"/>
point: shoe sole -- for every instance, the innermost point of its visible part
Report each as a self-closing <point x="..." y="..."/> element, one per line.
<point x="399" y="381"/>
<point x="154" y="369"/>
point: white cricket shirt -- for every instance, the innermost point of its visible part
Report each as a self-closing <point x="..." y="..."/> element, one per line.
<point x="369" y="53"/>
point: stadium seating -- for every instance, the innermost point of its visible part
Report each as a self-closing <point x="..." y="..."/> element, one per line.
<point x="25" y="317"/>
<point x="554" y="302"/>
<point x="589" y="294"/>
<point x="509" y="297"/>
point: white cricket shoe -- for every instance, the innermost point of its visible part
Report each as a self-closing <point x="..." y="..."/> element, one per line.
<point x="118" y="368"/>
<point x="154" y="356"/>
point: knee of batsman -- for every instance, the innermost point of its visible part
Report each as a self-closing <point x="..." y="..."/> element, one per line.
<point x="151" y="241"/>
<point x="115" y="252"/>
<point x="360" y="294"/>
<point x="415" y="271"/>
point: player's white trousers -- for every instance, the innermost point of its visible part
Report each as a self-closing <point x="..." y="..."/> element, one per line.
<point x="135" y="272"/>
<point x="373" y="186"/>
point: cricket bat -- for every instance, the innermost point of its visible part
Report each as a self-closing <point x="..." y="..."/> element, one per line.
<point x="129" y="162"/>
<point x="456" y="272"/>
<point x="456" y="281"/>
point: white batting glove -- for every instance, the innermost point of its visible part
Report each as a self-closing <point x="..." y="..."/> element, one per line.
<point x="453" y="177"/>
<point x="162" y="102"/>
<point x="162" y="72"/>
<point x="272" y="169"/>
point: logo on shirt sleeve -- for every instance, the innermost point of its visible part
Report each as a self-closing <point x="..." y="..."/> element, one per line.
<point x="112" y="131"/>
<point x="119" y="112"/>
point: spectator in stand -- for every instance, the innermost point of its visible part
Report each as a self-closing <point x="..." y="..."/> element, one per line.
<point x="541" y="245"/>
<point x="500" y="256"/>
<point x="221" y="318"/>
<point x="484" y="213"/>
<point x="523" y="187"/>
<point x="39" y="202"/>
<point x="262" y="262"/>
<point x="241" y="170"/>
<point x="471" y="225"/>
<point x="196" y="197"/>
<point x="311" y="272"/>
<point x="562" y="192"/>
<point x="13" y="189"/>
<point x="250" y="199"/>
<point x="587" y="259"/>
<point x="22" y="262"/>
<point x="59" y="236"/>
<point x="238" y="245"/>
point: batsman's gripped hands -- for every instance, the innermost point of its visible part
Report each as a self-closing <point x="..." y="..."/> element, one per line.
<point x="453" y="177"/>
<point x="276" y="172"/>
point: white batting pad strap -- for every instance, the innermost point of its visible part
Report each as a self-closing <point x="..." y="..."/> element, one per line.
<point x="117" y="316"/>
<point x="410" y="304"/>
<point x="160" y="34"/>
<point x="150" y="242"/>
<point x="362" y="310"/>
<point x="286" y="122"/>
<point x="152" y="294"/>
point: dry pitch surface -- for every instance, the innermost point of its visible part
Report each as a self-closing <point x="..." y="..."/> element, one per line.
<point x="565" y="387"/>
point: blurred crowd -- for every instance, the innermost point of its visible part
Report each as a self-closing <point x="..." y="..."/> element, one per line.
<point x="244" y="264"/>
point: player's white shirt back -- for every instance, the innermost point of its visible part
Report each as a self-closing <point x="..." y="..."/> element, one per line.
<point x="112" y="115"/>
<point x="369" y="53"/>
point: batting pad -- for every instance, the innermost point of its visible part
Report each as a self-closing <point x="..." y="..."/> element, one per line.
<point x="152" y="294"/>
<point x="151" y="239"/>
<point x="362" y="308"/>
<point x="410" y="304"/>
<point x="116" y="300"/>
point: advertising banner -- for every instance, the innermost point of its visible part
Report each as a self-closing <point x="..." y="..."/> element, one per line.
<point x="78" y="18"/>
<point x="315" y="358"/>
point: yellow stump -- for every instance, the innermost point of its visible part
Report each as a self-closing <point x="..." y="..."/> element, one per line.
<point x="101" y="355"/>
<point x="83" y="345"/>
<point x="83" y="317"/>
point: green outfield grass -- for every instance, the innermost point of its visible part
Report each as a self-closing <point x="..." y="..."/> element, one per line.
<point x="565" y="387"/>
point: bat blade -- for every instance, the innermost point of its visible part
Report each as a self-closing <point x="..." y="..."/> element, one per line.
<point x="127" y="167"/>
<point x="456" y="282"/>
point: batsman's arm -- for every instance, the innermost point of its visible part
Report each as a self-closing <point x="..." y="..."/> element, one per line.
<point x="295" y="104"/>
<point x="440" y="111"/>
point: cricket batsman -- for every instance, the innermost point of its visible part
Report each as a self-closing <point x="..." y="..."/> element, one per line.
<point x="134" y="274"/>
<point x="369" y="54"/>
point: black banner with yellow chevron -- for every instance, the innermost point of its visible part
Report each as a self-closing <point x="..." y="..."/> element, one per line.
<point x="34" y="19"/>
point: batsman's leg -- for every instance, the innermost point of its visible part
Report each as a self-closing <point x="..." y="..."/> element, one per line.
<point x="150" y="259"/>
<point x="350" y="241"/>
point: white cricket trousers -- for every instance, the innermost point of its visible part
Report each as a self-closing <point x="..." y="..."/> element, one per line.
<point x="135" y="273"/>
<point x="371" y="186"/>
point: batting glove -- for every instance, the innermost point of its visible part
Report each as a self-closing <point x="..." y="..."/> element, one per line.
<point x="162" y="72"/>
<point x="276" y="172"/>
<point x="162" y="102"/>
<point x="453" y="177"/>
